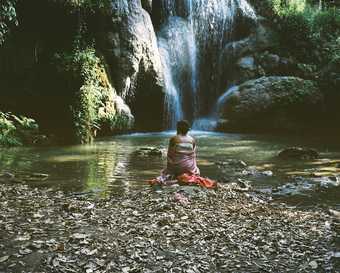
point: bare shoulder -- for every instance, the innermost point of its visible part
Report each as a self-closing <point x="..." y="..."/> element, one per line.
<point x="191" y="139"/>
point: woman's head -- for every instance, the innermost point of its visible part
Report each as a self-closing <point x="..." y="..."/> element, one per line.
<point x="183" y="127"/>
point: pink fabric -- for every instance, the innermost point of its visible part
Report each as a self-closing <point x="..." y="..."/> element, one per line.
<point x="179" y="162"/>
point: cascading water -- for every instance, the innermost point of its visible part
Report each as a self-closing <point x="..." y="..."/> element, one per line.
<point x="172" y="101"/>
<point x="221" y="100"/>
<point x="191" y="40"/>
<point x="176" y="47"/>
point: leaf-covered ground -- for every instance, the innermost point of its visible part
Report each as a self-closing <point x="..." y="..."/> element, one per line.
<point x="176" y="229"/>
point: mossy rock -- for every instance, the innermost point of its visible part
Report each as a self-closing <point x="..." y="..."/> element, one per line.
<point x="96" y="106"/>
<point x="273" y="103"/>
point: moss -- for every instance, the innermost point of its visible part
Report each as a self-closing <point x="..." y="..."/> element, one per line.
<point x="81" y="69"/>
<point x="93" y="105"/>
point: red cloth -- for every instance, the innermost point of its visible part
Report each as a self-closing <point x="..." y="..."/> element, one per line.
<point x="192" y="179"/>
<point x="188" y="179"/>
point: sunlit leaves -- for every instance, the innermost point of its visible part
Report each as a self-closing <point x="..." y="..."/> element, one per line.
<point x="8" y="17"/>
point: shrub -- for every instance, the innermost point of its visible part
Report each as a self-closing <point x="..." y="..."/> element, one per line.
<point x="8" y="17"/>
<point x="306" y="32"/>
<point x="326" y="23"/>
<point x="87" y="5"/>
<point x="296" y="33"/>
<point x="16" y="131"/>
<point x="81" y="70"/>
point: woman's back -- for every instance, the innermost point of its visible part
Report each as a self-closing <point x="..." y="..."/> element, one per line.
<point x="182" y="144"/>
<point x="182" y="155"/>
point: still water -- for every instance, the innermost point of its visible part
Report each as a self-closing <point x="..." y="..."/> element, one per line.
<point x="110" y="166"/>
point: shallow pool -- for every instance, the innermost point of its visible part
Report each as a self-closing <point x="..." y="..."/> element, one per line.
<point x="110" y="166"/>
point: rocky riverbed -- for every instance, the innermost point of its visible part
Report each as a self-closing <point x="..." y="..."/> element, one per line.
<point x="174" y="229"/>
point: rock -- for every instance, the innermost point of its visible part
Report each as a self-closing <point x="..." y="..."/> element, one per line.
<point x="130" y="48"/>
<point x="253" y="171"/>
<point x="149" y="151"/>
<point x="313" y="264"/>
<point x="336" y="214"/>
<point x="298" y="153"/>
<point x="299" y="187"/>
<point x="267" y="173"/>
<point x="274" y="103"/>
<point x="260" y="39"/>
<point x="4" y="258"/>
<point x="7" y="176"/>
<point x="270" y="61"/>
<point x="247" y="69"/>
<point x="329" y="182"/>
<point x="273" y="64"/>
<point x="247" y="63"/>
<point x="233" y="163"/>
<point x="243" y="185"/>
<point x="96" y="107"/>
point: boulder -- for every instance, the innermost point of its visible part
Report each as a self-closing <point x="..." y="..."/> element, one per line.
<point x="237" y="57"/>
<point x="247" y="69"/>
<point x="272" y="104"/>
<point x="269" y="62"/>
<point x="298" y="153"/>
<point x="130" y="48"/>
<point x="260" y="39"/>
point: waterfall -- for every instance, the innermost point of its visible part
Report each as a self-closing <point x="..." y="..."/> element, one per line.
<point x="209" y="123"/>
<point x="172" y="100"/>
<point x="191" y="40"/>
<point x="222" y="99"/>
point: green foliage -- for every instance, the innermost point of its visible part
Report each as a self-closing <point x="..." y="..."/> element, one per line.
<point x="119" y="122"/>
<point x="15" y="131"/>
<point x="307" y="32"/>
<point x="327" y="23"/>
<point x="326" y="34"/>
<point x="85" y="5"/>
<point x="8" y="17"/>
<point x="82" y="66"/>
<point x="282" y="7"/>
<point x="8" y="136"/>
<point x="296" y="33"/>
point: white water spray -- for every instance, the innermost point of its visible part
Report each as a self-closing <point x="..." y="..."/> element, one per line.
<point x="189" y="40"/>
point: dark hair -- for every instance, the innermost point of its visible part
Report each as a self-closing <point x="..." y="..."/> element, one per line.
<point x="183" y="127"/>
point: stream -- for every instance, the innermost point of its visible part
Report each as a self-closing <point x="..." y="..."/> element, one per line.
<point x="110" y="165"/>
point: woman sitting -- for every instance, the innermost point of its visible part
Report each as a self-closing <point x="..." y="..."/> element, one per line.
<point x="181" y="161"/>
<point x="182" y="152"/>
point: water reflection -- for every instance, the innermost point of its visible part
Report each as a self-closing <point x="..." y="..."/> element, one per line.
<point x="110" y="165"/>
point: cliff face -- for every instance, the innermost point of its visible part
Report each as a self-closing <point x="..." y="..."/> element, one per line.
<point x="37" y="77"/>
<point x="87" y="67"/>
